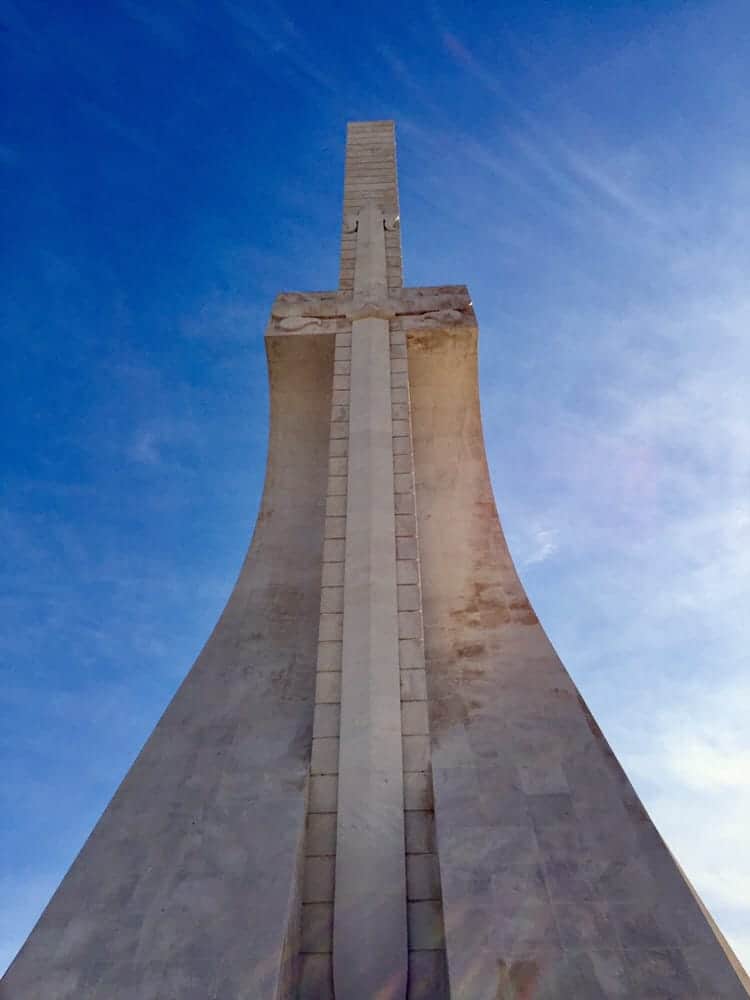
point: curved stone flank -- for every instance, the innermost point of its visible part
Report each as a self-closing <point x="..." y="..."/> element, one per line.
<point x="187" y="886"/>
<point x="556" y="884"/>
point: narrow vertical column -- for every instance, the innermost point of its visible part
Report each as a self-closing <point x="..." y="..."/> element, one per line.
<point x="316" y="970"/>
<point x="370" y="932"/>
<point x="428" y="973"/>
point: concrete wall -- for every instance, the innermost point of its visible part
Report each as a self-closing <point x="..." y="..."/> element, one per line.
<point x="187" y="888"/>
<point x="555" y="882"/>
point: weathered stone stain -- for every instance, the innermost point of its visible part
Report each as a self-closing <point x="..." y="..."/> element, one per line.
<point x="470" y="650"/>
<point x="517" y="980"/>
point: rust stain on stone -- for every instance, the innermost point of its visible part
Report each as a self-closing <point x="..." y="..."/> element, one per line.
<point x="469" y="650"/>
<point x="517" y="980"/>
<point x="594" y="727"/>
<point x="489" y="607"/>
<point x="473" y="673"/>
<point x="447" y="710"/>
<point x="521" y="610"/>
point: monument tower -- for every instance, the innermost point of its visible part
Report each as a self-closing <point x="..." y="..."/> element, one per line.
<point x="378" y="780"/>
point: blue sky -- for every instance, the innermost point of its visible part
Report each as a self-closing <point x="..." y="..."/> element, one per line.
<point x="168" y="167"/>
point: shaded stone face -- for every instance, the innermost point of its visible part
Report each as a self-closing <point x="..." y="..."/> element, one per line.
<point x="378" y="779"/>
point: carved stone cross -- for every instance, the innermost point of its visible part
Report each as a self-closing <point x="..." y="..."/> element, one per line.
<point x="427" y="308"/>
<point x="370" y="936"/>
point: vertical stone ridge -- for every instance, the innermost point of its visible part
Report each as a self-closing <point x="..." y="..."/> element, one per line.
<point x="371" y="177"/>
<point x="428" y="973"/>
<point x="316" y="969"/>
<point x="370" y="955"/>
<point x="370" y="931"/>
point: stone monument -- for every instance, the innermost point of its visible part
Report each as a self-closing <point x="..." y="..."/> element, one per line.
<point x="378" y="780"/>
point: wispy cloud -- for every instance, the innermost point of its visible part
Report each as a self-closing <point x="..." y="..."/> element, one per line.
<point x="269" y="29"/>
<point x="113" y="123"/>
<point x="225" y="318"/>
<point x="542" y="544"/>
<point x="146" y="447"/>
<point x="166" y="28"/>
<point x="694" y="761"/>
<point x="10" y="156"/>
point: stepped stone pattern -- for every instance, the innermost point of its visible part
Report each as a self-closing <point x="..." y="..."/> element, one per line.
<point x="377" y="780"/>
